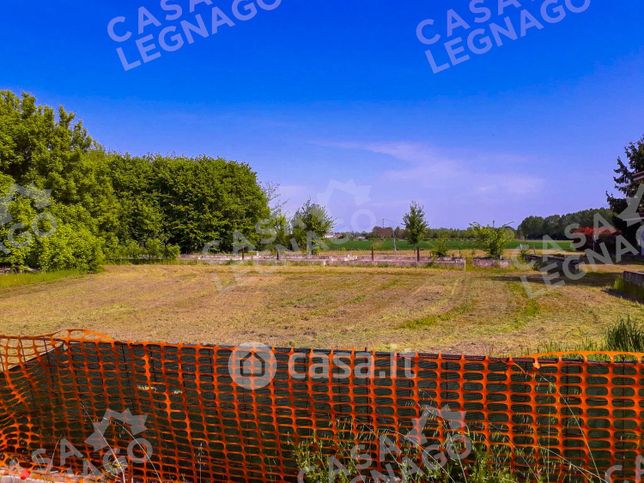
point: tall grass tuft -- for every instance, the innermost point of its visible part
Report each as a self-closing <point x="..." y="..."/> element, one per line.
<point x="627" y="335"/>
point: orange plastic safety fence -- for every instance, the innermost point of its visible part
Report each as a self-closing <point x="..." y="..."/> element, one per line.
<point x="79" y="402"/>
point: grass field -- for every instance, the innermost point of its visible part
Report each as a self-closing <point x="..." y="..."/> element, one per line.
<point x="452" y="244"/>
<point x="475" y="312"/>
<point x="20" y="279"/>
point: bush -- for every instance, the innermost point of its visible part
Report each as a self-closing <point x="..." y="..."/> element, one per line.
<point x="440" y="248"/>
<point x="492" y="239"/>
<point x="627" y="335"/>
<point x="151" y="249"/>
<point x="70" y="247"/>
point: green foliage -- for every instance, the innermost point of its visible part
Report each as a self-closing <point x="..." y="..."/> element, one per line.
<point x="69" y="247"/>
<point x="415" y="224"/>
<point x="524" y="252"/>
<point x="275" y="231"/>
<point x="554" y="226"/>
<point x="21" y="279"/>
<point x="440" y="248"/>
<point x="627" y="335"/>
<point x="626" y="185"/>
<point x="111" y="206"/>
<point x="312" y="458"/>
<point x="309" y="225"/>
<point x="490" y="466"/>
<point x="208" y="199"/>
<point x="320" y="461"/>
<point x="492" y="239"/>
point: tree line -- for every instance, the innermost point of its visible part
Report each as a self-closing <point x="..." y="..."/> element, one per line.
<point x="67" y="203"/>
<point x="554" y="226"/>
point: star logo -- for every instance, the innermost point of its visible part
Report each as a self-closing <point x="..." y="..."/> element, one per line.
<point x="454" y="420"/>
<point x="41" y="198"/>
<point x="631" y="215"/>
<point x="136" y="423"/>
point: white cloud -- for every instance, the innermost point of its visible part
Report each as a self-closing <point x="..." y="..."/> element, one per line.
<point x="473" y="175"/>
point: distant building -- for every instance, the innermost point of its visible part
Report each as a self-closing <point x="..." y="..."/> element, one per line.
<point x="599" y="236"/>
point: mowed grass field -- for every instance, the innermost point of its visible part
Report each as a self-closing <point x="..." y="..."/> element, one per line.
<point x="473" y="312"/>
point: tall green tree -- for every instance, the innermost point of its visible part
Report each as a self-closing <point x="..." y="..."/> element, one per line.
<point x="310" y="224"/>
<point x="626" y="184"/>
<point x="415" y="226"/>
<point x="206" y="199"/>
<point x="276" y="233"/>
<point x="41" y="149"/>
<point x="111" y="206"/>
<point x="532" y="227"/>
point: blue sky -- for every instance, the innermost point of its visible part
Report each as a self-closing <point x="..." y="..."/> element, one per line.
<point x="336" y="100"/>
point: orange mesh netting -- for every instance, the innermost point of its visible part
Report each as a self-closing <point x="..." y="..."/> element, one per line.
<point x="82" y="396"/>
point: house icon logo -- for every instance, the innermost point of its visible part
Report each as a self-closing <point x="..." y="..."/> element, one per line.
<point x="252" y="366"/>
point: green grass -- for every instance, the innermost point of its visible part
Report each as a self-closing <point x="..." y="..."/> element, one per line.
<point x="20" y="279"/>
<point x="442" y="317"/>
<point x="453" y="244"/>
<point x="482" y="465"/>
<point x="627" y="336"/>
<point x="528" y="307"/>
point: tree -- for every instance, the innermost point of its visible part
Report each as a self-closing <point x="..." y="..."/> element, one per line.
<point x="532" y="227"/>
<point x="492" y="239"/>
<point x="554" y="226"/>
<point x="276" y="232"/>
<point x="107" y="205"/>
<point x="415" y="226"/>
<point x="41" y="149"/>
<point x="206" y="199"/>
<point x="626" y="185"/>
<point x="310" y="225"/>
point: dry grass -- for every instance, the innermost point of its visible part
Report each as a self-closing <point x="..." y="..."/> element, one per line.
<point x="475" y="312"/>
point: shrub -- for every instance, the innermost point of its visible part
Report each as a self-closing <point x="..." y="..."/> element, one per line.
<point x="627" y="335"/>
<point x="492" y="239"/>
<point x="440" y="247"/>
<point x="70" y="247"/>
